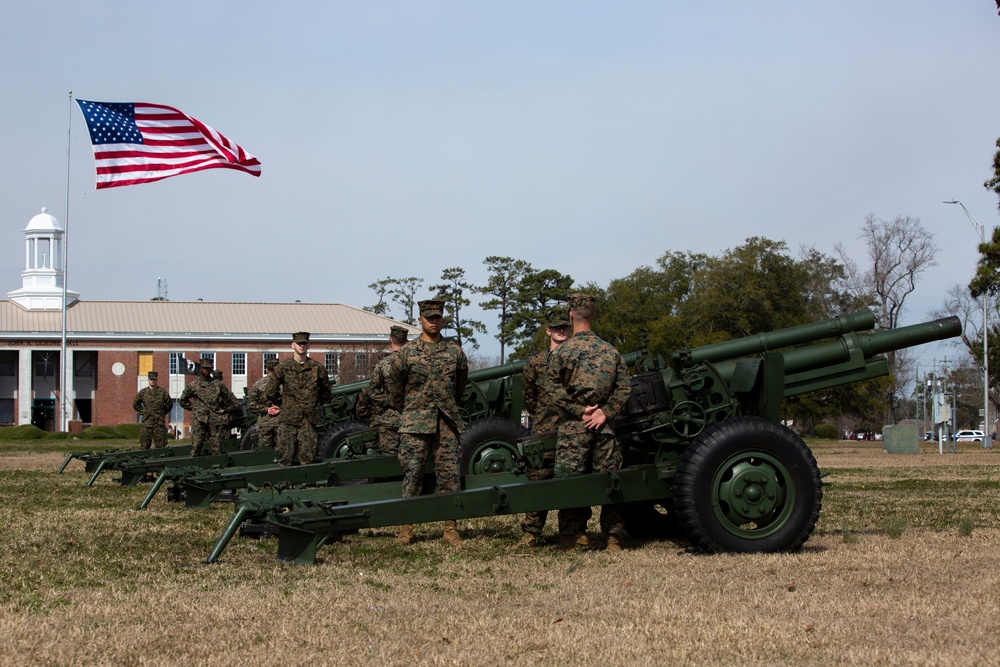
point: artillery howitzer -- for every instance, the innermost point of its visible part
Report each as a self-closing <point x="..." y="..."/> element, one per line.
<point x="491" y="392"/>
<point x="700" y="436"/>
<point x="492" y="405"/>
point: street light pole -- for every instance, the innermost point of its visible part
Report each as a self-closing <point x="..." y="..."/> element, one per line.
<point x="986" y="336"/>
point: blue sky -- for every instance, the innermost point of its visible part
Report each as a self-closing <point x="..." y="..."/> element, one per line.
<point x="402" y="138"/>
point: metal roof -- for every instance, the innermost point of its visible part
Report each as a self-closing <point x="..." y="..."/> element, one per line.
<point x="196" y="320"/>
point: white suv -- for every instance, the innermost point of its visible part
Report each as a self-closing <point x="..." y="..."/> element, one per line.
<point x="969" y="436"/>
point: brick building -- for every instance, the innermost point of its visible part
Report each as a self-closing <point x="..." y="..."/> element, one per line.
<point x="111" y="345"/>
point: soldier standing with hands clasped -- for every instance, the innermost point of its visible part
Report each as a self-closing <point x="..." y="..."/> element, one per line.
<point x="297" y="391"/>
<point x="428" y="377"/>
<point x="590" y="387"/>
<point x="258" y="404"/>
<point x="208" y="401"/>
<point x="537" y="389"/>
<point x="374" y="403"/>
<point x="153" y="403"/>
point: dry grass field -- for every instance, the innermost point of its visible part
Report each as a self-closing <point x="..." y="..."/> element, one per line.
<point x="903" y="569"/>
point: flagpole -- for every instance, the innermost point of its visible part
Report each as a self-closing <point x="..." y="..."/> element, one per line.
<point x="64" y="420"/>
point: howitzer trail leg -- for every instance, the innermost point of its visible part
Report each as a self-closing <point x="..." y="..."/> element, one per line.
<point x="97" y="471"/>
<point x="152" y="492"/>
<point x="234" y="524"/>
<point x="66" y="462"/>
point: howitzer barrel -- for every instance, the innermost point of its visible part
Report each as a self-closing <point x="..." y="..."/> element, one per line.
<point x="870" y="344"/>
<point x="481" y="375"/>
<point x="774" y="340"/>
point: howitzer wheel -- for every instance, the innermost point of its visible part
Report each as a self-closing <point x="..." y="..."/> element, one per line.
<point x="489" y="445"/>
<point x="332" y="444"/>
<point x="248" y="439"/>
<point x="748" y="485"/>
<point x="688" y="419"/>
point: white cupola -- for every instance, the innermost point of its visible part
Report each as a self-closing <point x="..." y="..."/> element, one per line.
<point x="42" y="278"/>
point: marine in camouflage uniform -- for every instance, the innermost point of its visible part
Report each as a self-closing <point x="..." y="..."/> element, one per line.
<point x="257" y="404"/>
<point x="429" y="377"/>
<point x="302" y="387"/>
<point x="590" y="387"/>
<point x="210" y="404"/>
<point x="228" y="420"/>
<point x="374" y="403"/>
<point x="153" y="403"/>
<point x="536" y="385"/>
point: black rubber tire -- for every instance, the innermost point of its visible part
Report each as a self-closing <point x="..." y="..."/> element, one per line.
<point x="490" y="445"/>
<point x="747" y="484"/>
<point x="652" y="520"/>
<point x="329" y="444"/>
<point x="248" y="439"/>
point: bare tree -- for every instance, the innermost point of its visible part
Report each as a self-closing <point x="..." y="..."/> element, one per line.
<point x="899" y="251"/>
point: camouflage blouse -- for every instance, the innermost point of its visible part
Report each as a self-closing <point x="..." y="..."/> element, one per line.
<point x="303" y="389"/>
<point x="586" y="370"/>
<point x="152" y="403"/>
<point x="538" y="390"/>
<point x="428" y="379"/>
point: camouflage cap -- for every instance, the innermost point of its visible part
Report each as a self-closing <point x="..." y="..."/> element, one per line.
<point x="152" y="375"/>
<point x="270" y="362"/>
<point x="430" y="307"/>
<point x="217" y="375"/>
<point x="397" y="331"/>
<point x="557" y="317"/>
<point x="581" y="301"/>
<point x="300" y="337"/>
<point x="206" y="363"/>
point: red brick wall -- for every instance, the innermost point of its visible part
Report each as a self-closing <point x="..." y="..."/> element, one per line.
<point x="115" y="392"/>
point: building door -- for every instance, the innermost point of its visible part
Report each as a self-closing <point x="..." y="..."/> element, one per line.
<point x="43" y="414"/>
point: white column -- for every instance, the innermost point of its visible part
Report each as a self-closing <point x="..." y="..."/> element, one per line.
<point x="69" y="391"/>
<point x="24" y="397"/>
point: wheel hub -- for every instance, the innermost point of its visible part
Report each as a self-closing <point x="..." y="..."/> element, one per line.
<point x="750" y="491"/>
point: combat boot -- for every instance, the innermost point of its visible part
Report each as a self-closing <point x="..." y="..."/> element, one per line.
<point x="528" y="541"/>
<point x="451" y="536"/>
<point x="405" y="535"/>
<point x="571" y="542"/>
<point x="614" y="543"/>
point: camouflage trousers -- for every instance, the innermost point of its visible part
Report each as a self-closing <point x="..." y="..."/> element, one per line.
<point x="267" y="432"/>
<point x="579" y="451"/>
<point x="295" y="442"/>
<point x="534" y="522"/>
<point x="207" y="437"/>
<point x="388" y="441"/>
<point x="152" y="432"/>
<point x="416" y="448"/>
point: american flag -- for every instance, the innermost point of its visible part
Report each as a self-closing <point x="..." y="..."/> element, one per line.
<point x="137" y="142"/>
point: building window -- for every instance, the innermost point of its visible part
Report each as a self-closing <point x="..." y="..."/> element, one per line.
<point x="6" y="410"/>
<point x="145" y="363"/>
<point x="8" y="363"/>
<point x="239" y="363"/>
<point x="267" y="355"/>
<point x="84" y="363"/>
<point x="331" y="360"/>
<point x="361" y="366"/>
<point x="45" y="364"/>
<point x="175" y="363"/>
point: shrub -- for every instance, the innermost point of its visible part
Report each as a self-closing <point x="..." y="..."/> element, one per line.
<point x="120" y="432"/>
<point x="826" y="431"/>
<point x="23" y="432"/>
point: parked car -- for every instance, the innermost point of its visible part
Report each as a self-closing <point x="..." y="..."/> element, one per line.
<point x="969" y="436"/>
